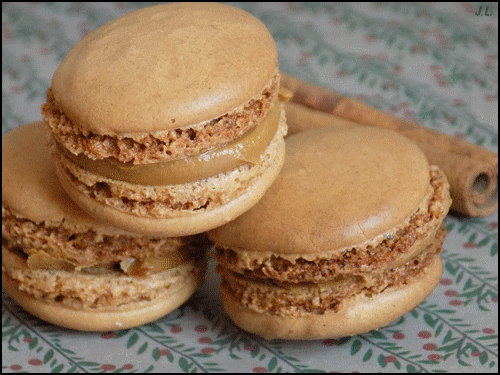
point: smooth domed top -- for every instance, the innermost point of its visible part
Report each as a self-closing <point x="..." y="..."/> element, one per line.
<point x="339" y="187"/>
<point x="164" y="67"/>
<point x="30" y="186"/>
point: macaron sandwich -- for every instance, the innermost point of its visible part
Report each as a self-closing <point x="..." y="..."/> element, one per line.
<point x="345" y="241"/>
<point x="72" y="270"/>
<point x="167" y="121"/>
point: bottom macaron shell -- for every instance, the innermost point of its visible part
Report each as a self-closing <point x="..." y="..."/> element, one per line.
<point x="358" y="315"/>
<point x="200" y="221"/>
<point x="99" y="320"/>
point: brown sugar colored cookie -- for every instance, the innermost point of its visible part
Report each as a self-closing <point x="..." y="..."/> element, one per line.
<point x="167" y="121"/>
<point x="345" y="241"/>
<point x="72" y="270"/>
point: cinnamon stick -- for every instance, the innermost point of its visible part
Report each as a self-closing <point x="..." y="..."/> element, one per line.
<point x="471" y="170"/>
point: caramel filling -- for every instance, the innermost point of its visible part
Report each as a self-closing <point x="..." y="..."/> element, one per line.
<point x="246" y="149"/>
<point x="292" y="287"/>
<point x="339" y="282"/>
<point x="309" y="286"/>
<point x="40" y="260"/>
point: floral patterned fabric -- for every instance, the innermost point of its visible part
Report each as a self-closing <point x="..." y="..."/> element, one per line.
<point x="435" y="63"/>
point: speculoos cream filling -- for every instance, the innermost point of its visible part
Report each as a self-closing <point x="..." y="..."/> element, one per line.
<point x="131" y="266"/>
<point x="246" y="149"/>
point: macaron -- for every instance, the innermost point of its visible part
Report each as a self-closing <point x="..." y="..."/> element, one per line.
<point x="74" y="271"/>
<point x="168" y="120"/>
<point x="345" y="241"/>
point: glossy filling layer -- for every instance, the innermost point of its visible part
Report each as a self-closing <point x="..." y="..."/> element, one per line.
<point x="234" y="279"/>
<point x="130" y="266"/>
<point x="246" y="149"/>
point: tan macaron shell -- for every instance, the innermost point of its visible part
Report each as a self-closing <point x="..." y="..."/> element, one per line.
<point x="155" y="69"/>
<point x="372" y="180"/>
<point x="191" y="222"/>
<point x="110" y="319"/>
<point x="358" y="314"/>
<point x="34" y="195"/>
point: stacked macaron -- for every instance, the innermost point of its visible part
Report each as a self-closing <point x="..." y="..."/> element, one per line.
<point x="345" y="241"/>
<point x="162" y="124"/>
<point x="167" y="120"/>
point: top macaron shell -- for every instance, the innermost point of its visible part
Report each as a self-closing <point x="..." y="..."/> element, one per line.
<point x="367" y="191"/>
<point x="155" y="69"/>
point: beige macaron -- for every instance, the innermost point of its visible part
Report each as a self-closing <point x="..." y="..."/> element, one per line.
<point x="168" y="121"/>
<point x="345" y="241"/>
<point x="72" y="270"/>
